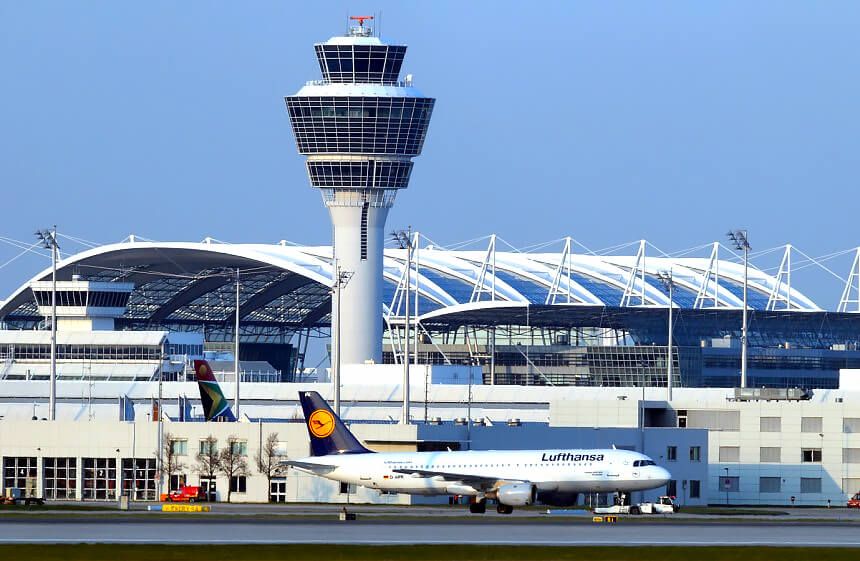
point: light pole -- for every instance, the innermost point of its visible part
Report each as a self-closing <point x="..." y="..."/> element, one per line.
<point x="741" y="241"/>
<point x="666" y="278"/>
<point x="49" y="241"/>
<point x="404" y="240"/>
<point x="341" y="278"/>
<point x="160" y="469"/>
<point x="236" y="344"/>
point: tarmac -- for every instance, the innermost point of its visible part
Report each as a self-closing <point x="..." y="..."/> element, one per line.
<point x="318" y="524"/>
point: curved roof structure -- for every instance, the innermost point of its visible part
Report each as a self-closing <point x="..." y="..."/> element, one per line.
<point x="286" y="288"/>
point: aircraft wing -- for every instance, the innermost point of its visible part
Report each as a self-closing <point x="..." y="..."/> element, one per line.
<point x="484" y="482"/>
<point x="318" y="469"/>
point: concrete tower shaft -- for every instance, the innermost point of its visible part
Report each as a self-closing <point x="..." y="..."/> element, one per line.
<point x="360" y="126"/>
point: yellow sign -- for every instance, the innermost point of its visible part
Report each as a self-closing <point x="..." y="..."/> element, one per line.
<point x="185" y="508"/>
<point x="321" y="423"/>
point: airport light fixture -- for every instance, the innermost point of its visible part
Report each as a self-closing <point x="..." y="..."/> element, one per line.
<point x="341" y="279"/>
<point x="668" y="282"/>
<point x="740" y="239"/>
<point x="48" y="240"/>
<point x="404" y="240"/>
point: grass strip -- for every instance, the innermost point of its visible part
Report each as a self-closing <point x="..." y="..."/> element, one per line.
<point x="105" y="552"/>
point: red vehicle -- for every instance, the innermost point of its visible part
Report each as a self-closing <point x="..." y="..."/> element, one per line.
<point x="854" y="502"/>
<point x="185" y="494"/>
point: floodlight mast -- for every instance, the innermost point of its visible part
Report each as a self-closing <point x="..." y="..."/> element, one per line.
<point x="48" y="238"/>
<point x="740" y="239"/>
<point x="667" y="280"/>
<point x="404" y="240"/>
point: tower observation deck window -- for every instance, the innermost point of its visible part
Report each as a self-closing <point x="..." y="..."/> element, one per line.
<point x="360" y="125"/>
<point x="360" y="64"/>
<point x="366" y="174"/>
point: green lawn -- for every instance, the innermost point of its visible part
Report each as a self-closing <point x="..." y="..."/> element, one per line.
<point x="413" y="553"/>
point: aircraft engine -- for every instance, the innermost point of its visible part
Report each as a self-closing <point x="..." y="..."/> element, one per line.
<point x="516" y="494"/>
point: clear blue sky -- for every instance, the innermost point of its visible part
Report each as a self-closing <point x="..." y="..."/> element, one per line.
<point x="609" y="122"/>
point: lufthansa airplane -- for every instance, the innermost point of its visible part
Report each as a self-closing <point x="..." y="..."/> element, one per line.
<point x="511" y="477"/>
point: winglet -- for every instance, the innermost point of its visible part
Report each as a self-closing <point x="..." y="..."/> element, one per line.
<point x="215" y="405"/>
<point x="327" y="432"/>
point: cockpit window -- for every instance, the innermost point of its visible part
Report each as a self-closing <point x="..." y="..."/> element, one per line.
<point x="643" y="463"/>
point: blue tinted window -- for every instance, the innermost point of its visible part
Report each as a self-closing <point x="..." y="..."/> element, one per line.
<point x="459" y="290"/>
<point x="755" y="299"/>
<point x="534" y="293"/>
<point x="609" y="294"/>
<point x="681" y="295"/>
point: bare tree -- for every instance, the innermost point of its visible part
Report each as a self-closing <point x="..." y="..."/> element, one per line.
<point x="171" y="461"/>
<point x="269" y="458"/>
<point x="232" y="463"/>
<point x="208" y="461"/>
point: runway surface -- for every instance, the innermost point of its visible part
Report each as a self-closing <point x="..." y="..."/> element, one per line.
<point x="511" y="532"/>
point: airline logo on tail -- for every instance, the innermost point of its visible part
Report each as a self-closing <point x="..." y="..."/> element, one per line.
<point x="327" y="432"/>
<point x="321" y="423"/>
<point x="215" y="405"/>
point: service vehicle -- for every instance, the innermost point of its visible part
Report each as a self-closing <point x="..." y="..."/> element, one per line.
<point x="854" y="502"/>
<point x="185" y="494"/>
<point x="664" y="505"/>
<point x="16" y="496"/>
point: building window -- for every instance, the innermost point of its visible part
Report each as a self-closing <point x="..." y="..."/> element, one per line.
<point x="238" y="484"/>
<point x="138" y="478"/>
<point x="695" y="489"/>
<point x="99" y="479"/>
<point x="208" y="447"/>
<point x="20" y="472"/>
<point x="730" y="453"/>
<point x="810" y="424"/>
<point x="730" y="484"/>
<point x="239" y="447"/>
<point x="179" y="447"/>
<point x="851" y="424"/>
<point x="346" y="488"/>
<point x="60" y="478"/>
<point x="810" y="484"/>
<point x="209" y="488"/>
<point x="672" y="488"/>
<point x="278" y="490"/>
<point x="770" y="424"/>
<point x="851" y="455"/>
<point x="695" y="453"/>
<point x="671" y="453"/>
<point x="770" y="454"/>
<point x="810" y="455"/>
<point x="769" y="484"/>
<point x="177" y="480"/>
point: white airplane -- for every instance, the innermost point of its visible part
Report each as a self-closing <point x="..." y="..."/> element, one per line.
<point x="511" y="477"/>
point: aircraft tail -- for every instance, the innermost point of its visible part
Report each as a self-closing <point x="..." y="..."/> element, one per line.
<point x="215" y="405"/>
<point x="327" y="432"/>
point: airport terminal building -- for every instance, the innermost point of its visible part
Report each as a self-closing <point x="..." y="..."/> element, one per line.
<point x="584" y="372"/>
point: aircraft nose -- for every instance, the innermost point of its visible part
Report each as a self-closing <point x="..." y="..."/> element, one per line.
<point x="661" y="475"/>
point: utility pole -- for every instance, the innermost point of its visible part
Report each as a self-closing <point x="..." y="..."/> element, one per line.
<point x="404" y="240"/>
<point x="740" y="239"/>
<point x="236" y="345"/>
<point x="160" y="469"/>
<point x="669" y="283"/>
<point x="49" y="241"/>
<point x="341" y="278"/>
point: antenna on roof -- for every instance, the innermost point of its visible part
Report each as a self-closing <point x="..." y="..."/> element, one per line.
<point x="360" y="30"/>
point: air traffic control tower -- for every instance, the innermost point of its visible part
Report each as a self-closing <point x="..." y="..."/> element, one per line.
<point x="360" y="126"/>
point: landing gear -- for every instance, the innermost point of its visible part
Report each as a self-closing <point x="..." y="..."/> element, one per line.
<point x="504" y="509"/>
<point x="478" y="507"/>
